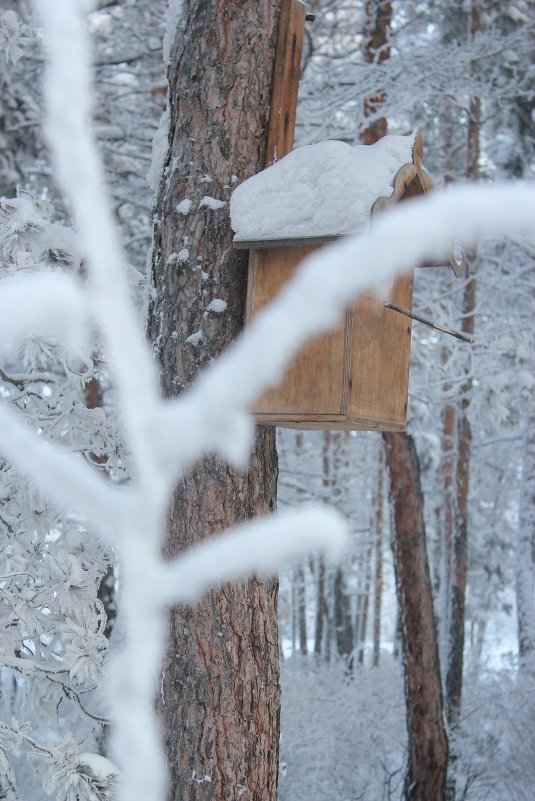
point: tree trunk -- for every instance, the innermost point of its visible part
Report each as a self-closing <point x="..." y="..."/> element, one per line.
<point x="343" y="625"/>
<point x="428" y="746"/>
<point x="299" y="579"/>
<point x="459" y="569"/>
<point x="220" y="684"/>
<point x="321" y="608"/>
<point x="378" y="16"/>
<point x="525" y="555"/>
<point x="427" y="766"/>
<point x="378" y="584"/>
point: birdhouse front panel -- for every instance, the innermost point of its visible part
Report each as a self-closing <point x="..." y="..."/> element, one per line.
<point x="304" y="390"/>
<point x="380" y="356"/>
<point x="341" y="380"/>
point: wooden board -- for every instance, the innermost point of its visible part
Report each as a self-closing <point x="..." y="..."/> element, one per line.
<point x="285" y="79"/>
<point x="315" y="382"/>
<point x="380" y="356"/>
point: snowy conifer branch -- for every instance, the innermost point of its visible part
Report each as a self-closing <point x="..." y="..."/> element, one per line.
<point x="60" y="475"/>
<point x="316" y="299"/>
<point x="44" y="303"/>
<point x="68" y="94"/>
<point x="262" y="545"/>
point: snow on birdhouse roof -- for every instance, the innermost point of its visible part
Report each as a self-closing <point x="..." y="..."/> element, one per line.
<point x="322" y="190"/>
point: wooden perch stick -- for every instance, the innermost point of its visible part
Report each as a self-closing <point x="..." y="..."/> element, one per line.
<point x="430" y="323"/>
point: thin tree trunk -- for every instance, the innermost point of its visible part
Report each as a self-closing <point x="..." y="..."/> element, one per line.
<point x="427" y="764"/>
<point x="301" y="610"/>
<point x="220" y="685"/>
<point x="459" y="571"/>
<point x="378" y="586"/>
<point x="525" y="555"/>
<point x="321" y="595"/>
<point x="343" y="627"/>
<point x="377" y="16"/>
<point x="321" y="607"/>
<point x="362" y="627"/>
<point x="428" y="746"/>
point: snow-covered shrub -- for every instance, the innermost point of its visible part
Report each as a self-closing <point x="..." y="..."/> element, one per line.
<point x="51" y="619"/>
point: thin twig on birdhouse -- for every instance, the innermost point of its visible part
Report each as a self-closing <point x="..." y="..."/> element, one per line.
<point x="430" y="323"/>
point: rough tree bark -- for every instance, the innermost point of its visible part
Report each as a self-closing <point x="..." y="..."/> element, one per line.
<point x="428" y="746"/>
<point x="220" y="684"/>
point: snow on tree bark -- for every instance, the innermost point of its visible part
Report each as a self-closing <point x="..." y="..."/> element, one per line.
<point x="220" y="685"/>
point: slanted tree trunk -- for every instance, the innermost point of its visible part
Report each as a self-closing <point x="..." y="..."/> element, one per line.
<point x="428" y="746"/>
<point x="220" y="684"/>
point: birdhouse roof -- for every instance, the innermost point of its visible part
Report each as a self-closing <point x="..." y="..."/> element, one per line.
<point x="324" y="190"/>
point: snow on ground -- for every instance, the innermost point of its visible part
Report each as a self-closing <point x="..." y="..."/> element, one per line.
<point x="324" y="189"/>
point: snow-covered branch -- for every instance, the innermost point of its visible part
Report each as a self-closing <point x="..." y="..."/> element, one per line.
<point x="68" y="94"/>
<point x="262" y="546"/>
<point x="44" y="303"/>
<point x="60" y="475"/>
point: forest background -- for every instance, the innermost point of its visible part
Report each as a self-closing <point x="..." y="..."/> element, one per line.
<point x="462" y="72"/>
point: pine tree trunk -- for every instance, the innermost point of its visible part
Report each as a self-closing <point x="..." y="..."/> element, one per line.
<point x="428" y="745"/>
<point x="220" y="684"/>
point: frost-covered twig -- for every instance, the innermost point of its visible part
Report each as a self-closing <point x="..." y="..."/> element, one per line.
<point x="263" y="546"/>
<point x="68" y="94"/>
<point x="43" y="303"/>
<point x="60" y="475"/>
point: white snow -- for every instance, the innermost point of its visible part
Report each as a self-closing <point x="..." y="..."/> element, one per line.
<point x="195" y="338"/>
<point x="184" y="207"/>
<point x="174" y="16"/>
<point x="101" y="767"/>
<point x="212" y="203"/>
<point x="159" y="151"/>
<point x="325" y="189"/>
<point x="217" y="305"/>
<point x="183" y="256"/>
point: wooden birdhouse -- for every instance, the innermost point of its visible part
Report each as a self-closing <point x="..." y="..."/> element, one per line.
<point x="356" y="377"/>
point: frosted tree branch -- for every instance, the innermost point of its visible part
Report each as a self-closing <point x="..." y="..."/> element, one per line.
<point x="68" y="94"/>
<point x="60" y="475"/>
<point x="46" y="304"/>
<point x="263" y="546"/>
